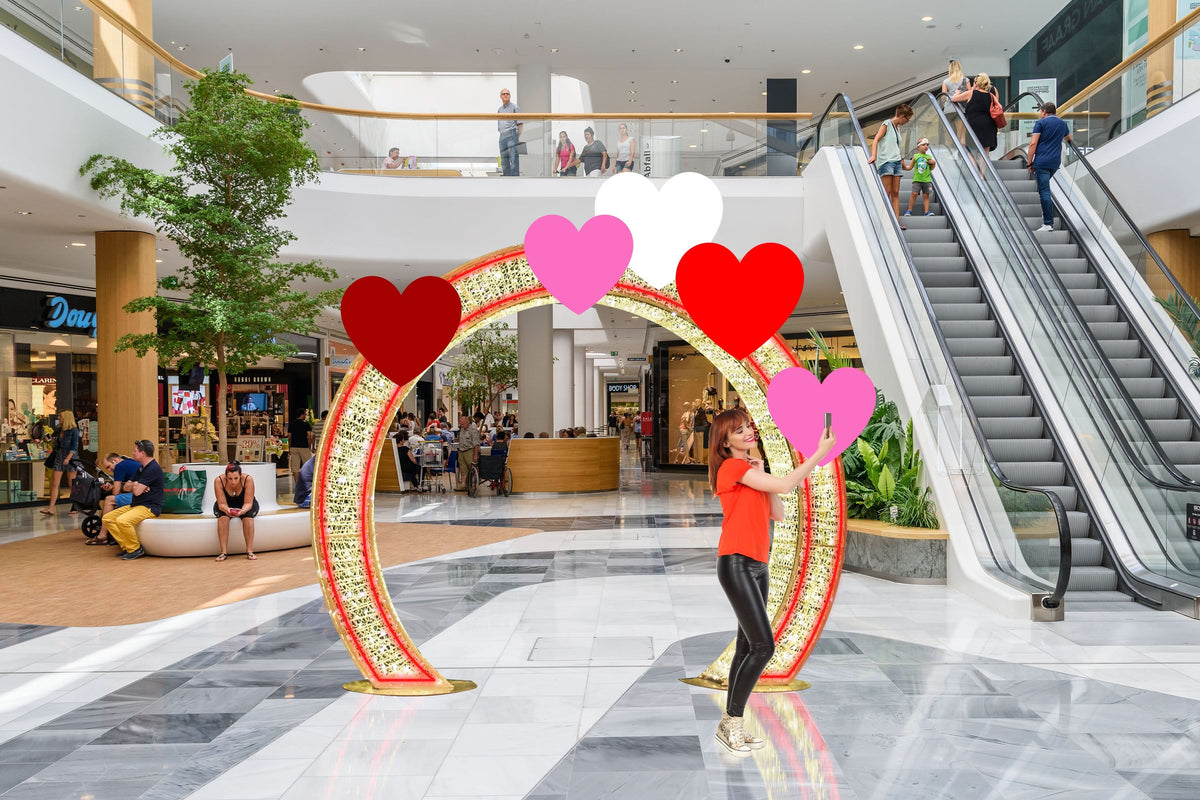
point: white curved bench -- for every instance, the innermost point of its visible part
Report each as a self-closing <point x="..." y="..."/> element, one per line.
<point x="277" y="527"/>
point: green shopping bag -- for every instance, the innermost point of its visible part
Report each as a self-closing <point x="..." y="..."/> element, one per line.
<point x="183" y="493"/>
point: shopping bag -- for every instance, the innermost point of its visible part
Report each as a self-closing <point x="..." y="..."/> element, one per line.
<point x="997" y="112"/>
<point x="183" y="493"/>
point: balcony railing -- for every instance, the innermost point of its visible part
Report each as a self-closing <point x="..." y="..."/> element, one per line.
<point x="99" y="43"/>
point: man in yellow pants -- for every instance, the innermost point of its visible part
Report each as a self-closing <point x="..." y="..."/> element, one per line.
<point x="147" y="490"/>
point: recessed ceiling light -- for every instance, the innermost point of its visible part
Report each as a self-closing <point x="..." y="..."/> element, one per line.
<point x="362" y="49"/>
<point x="806" y="72"/>
<point x="181" y="48"/>
<point x="553" y="49"/>
<point x="633" y="91"/>
<point x="858" y="47"/>
<point x="693" y="145"/>
<point x="674" y="81"/>
<point x="79" y="8"/>
<point x="678" y="49"/>
<point x="24" y="213"/>
<point x="158" y="261"/>
<point x="764" y="94"/>
<point x="926" y="19"/>
<point x="704" y="130"/>
<point x="78" y="244"/>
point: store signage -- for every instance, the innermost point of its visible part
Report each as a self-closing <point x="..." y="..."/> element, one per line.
<point x="622" y="388"/>
<point x="59" y="313"/>
<point x="1070" y="21"/>
<point x="1193" y="522"/>
<point x="341" y="362"/>
<point x="637" y="359"/>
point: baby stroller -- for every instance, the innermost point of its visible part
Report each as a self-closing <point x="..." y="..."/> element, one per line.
<point x="86" y="496"/>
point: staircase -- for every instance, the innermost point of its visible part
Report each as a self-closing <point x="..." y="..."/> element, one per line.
<point x="1016" y="434"/>
<point x="1133" y="363"/>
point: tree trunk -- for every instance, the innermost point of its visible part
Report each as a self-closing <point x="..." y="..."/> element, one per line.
<point x="222" y="411"/>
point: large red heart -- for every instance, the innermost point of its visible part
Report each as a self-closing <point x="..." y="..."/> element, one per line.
<point x="401" y="333"/>
<point x="740" y="305"/>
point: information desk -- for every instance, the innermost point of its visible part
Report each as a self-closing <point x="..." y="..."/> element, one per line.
<point x="565" y="465"/>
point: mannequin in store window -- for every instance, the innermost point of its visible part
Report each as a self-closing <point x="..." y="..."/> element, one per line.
<point x="684" y="445"/>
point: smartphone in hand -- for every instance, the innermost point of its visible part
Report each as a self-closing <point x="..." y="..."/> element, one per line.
<point x="828" y="420"/>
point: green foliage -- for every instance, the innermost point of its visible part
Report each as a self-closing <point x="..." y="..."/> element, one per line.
<point x="1185" y="319"/>
<point x="884" y="470"/>
<point x="237" y="159"/>
<point x="486" y="367"/>
<point x="834" y="361"/>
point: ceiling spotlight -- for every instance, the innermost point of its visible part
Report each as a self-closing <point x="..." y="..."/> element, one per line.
<point x="553" y="49"/>
<point x="24" y="213"/>
<point x="158" y="261"/>
<point x="693" y="145"/>
<point x="806" y="72"/>
<point x="181" y="47"/>
<point x="678" y="49"/>
<point x="78" y="244"/>
<point x="704" y="130"/>
<point x="79" y="8"/>
<point x="633" y="91"/>
<point x="926" y="19"/>
<point x="674" y="81"/>
<point x="764" y="94"/>
<point x="858" y="47"/>
<point x="362" y="49"/>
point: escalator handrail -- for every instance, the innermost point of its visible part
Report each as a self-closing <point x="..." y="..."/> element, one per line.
<point x="1056" y="505"/>
<point x="1182" y="482"/>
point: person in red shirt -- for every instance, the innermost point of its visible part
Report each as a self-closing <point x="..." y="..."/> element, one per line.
<point x="749" y="500"/>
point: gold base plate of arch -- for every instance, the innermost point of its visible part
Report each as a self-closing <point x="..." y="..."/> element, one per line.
<point x="366" y="687"/>
<point x="806" y="554"/>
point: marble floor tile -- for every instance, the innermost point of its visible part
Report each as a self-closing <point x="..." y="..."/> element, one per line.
<point x="168" y="729"/>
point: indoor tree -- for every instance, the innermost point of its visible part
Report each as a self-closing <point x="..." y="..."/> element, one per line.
<point x="237" y="160"/>
<point x="486" y="367"/>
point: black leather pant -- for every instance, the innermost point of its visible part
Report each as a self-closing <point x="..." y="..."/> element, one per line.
<point x="745" y="582"/>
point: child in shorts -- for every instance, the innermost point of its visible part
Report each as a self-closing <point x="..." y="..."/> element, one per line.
<point x="922" y="165"/>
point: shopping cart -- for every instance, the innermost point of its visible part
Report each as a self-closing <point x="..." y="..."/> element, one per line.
<point x="433" y="466"/>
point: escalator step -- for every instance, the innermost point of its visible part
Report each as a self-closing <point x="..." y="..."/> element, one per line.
<point x="1133" y="367"/>
<point x="1081" y="525"/>
<point x="1182" y="453"/>
<point x="1069" y="265"/>
<point x="968" y="328"/>
<point x="952" y="296"/>
<point x="1089" y="296"/>
<point x="1006" y="406"/>
<point x="1078" y="280"/>
<point x="1110" y="330"/>
<point x="1146" y="387"/>
<point x="922" y="223"/>
<point x="1048" y="237"/>
<point x="994" y="385"/>
<point x="1069" y="495"/>
<point x="1190" y="470"/>
<point x="1093" y="579"/>
<point x="1037" y="473"/>
<point x="1057" y="251"/>
<point x="1086" y="552"/>
<point x="961" y="312"/>
<point x="1121" y="348"/>
<point x="928" y="264"/>
<point x="947" y="280"/>
<point x="1021" y="450"/>
<point x="1012" y="427"/>
<point x="984" y="365"/>
<point x="977" y="347"/>
<point x="1081" y="600"/>
<point x="1098" y="313"/>
<point x="1171" y="429"/>
<point x="1027" y="198"/>
<point x="928" y="235"/>
<point x="1157" y="407"/>
<point x="935" y="250"/>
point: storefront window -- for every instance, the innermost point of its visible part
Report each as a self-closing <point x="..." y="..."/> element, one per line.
<point x="47" y="365"/>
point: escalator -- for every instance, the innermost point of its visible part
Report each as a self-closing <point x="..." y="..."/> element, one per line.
<point x="1010" y="416"/>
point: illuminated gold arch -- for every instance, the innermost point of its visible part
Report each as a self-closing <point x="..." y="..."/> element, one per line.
<point x="806" y="554"/>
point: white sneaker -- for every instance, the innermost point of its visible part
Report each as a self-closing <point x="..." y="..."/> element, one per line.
<point x="1044" y="228"/>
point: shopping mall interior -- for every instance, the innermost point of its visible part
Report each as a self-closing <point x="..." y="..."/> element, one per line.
<point x="479" y="554"/>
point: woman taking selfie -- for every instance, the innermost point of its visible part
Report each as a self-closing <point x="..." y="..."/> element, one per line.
<point x="749" y="500"/>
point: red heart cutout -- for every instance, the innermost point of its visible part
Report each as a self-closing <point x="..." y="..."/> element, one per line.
<point x="712" y="285"/>
<point x="372" y="308"/>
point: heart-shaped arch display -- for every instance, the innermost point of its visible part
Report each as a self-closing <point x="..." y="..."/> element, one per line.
<point x="806" y="553"/>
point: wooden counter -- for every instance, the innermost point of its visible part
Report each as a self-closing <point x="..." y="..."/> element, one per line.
<point x="565" y="465"/>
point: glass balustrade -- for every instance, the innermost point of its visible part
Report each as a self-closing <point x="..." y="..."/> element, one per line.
<point x="363" y="142"/>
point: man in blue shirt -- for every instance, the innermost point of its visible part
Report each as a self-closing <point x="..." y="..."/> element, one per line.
<point x="123" y="470"/>
<point x="1045" y="157"/>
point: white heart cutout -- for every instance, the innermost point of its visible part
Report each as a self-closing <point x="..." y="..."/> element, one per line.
<point x="666" y="222"/>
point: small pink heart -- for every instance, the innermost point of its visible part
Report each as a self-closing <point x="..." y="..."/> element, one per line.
<point x="578" y="266"/>
<point x="798" y="402"/>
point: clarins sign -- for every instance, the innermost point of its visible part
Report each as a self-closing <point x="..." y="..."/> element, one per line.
<point x="45" y="311"/>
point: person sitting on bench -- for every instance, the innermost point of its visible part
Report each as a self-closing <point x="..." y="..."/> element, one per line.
<point x="235" y="498"/>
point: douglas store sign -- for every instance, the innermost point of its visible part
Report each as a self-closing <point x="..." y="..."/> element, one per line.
<point x="64" y="313"/>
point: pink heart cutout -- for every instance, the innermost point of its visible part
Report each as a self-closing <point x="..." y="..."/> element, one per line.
<point x="798" y="402"/>
<point x="578" y="266"/>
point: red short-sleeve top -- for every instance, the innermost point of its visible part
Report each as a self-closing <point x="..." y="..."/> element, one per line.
<point x="746" y="527"/>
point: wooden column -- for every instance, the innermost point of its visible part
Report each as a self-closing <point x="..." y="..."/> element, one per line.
<point x="119" y="62"/>
<point x="127" y="386"/>
<point x="1180" y="251"/>
<point x="1160" y="65"/>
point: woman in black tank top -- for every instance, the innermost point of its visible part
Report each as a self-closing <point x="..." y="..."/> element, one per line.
<point x="235" y="499"/>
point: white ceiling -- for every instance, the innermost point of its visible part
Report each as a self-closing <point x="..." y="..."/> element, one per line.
<point x="614" y="48"/>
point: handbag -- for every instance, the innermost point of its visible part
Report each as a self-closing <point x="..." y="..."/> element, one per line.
<point x="997" y="112"/>
<point x="183" y="493"/>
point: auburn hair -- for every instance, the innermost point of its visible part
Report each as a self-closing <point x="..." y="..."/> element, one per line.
<point x="723" y="425"/>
